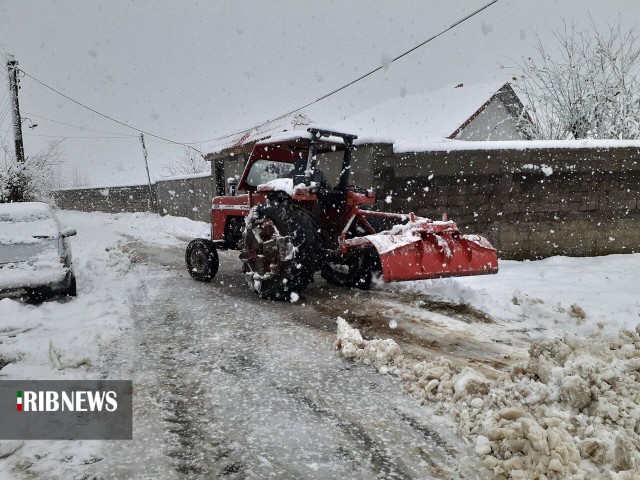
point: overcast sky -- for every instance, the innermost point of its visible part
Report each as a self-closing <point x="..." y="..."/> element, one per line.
<point x="192" y="70"/>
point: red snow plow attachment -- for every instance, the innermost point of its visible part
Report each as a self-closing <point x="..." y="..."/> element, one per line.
<point x="423" y="249"/>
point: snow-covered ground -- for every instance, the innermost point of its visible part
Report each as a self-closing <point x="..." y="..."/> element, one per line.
<point x="549" y="297"/>
<point x="127" y="263"/>
<point x="63" y="339"/>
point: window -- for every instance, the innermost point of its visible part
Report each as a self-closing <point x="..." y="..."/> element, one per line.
<point x="264" y="171"/>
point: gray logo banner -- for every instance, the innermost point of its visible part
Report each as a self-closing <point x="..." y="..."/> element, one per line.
<point x="66" y="410"/>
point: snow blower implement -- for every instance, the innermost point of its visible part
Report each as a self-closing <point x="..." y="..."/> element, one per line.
<point x="292" y="222"/>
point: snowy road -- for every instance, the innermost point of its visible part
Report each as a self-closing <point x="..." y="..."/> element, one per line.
<point x="228" y="385"/>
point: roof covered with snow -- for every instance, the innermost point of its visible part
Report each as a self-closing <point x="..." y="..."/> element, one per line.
<point x="429" y="116"/>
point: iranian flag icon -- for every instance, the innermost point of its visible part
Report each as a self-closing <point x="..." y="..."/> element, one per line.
<point x="19" y="401"/>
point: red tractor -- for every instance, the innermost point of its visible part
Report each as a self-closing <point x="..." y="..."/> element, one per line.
<point x="292" y="222"/>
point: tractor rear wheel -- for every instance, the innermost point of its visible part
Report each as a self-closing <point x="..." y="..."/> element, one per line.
<point x="357" y="271"/>
<point x="202" y="259"/>
<point x="281" y="250"/>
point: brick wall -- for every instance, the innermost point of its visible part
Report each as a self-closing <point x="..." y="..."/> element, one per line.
<point x="133" y="198"/>
<point x="186" y="197"/>
<point x="582" y="202"/>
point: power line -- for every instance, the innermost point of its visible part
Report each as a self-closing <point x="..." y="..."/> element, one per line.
<point x="107" y="116"/>
<point x="319" y="99"/>
<point x="79" y="126"/>
<point x="4" y="137"/>
<point x="5" y="102"/>
<point x="361" y="77"/>
<point x="4" y="110"/>
<point x="65" y="137"/>
<point x="4" y="96"/>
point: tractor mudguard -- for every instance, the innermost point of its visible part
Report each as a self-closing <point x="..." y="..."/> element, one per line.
<point x="424" y="249"/>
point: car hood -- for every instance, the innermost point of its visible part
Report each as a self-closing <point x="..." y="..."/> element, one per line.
<point x="44" y="249"/>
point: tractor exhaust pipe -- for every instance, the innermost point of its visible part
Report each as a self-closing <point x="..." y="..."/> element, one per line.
<point x="346" y="165"/>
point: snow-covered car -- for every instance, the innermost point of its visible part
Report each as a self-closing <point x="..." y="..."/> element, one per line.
<point x="35" y="255"/>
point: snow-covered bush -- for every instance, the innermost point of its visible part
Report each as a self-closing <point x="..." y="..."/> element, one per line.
<point x="590" y="88"/>
<point x="31" y="180"/>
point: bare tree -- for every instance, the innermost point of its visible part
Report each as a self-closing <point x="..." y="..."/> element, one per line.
<point x="190" y="163"/>
<point x="34" y="179"/>
<point x="590" y="90"/>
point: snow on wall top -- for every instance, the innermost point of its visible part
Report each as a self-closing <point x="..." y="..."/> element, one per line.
<point x="106" y="187"/>
<point x="446" y="145"/>
<point x="183" y="177"/>
<point x="434" y="115"/>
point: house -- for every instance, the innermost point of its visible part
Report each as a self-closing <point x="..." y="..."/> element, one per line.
<point x="481" y="112"/>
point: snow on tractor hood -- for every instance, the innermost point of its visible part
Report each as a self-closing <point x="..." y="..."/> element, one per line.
<point x="286" y="185"/>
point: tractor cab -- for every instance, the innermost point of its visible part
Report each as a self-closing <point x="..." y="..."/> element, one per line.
<point x="311" y="168"/>
<point x="293" y="162"/>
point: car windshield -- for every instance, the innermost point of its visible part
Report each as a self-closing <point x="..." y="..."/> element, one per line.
<point x="264" y="171"/>
<point x="25" y="223"/>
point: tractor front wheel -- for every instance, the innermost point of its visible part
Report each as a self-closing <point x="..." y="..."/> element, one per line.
<point x="280" y="250"/>
<point x="202" y="259"/>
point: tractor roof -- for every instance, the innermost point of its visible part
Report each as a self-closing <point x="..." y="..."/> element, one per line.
<point x="300" y="141"/>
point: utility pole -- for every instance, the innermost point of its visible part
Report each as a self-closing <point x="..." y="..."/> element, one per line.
<point x="17" y="190"/>
<point x="146" y="164"/>
<point x="12" y="67"/>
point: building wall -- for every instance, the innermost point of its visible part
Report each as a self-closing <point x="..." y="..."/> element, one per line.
<point x="189" y="197"/>
<point x="133" y="198"/>
<point x="493" y="123"/>
<point x="529" y="203"/>
<point x="186" y="197"/>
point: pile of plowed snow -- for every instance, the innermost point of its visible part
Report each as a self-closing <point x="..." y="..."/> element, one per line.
<point x="572" y="411"/>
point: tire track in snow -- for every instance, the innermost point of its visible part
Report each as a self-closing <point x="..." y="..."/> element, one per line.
<point x="370" y="450"/>
<point x="266" y="407"/>
<point x="194" y="447"/>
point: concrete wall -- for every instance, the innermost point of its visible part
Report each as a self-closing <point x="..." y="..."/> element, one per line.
<point x="184" y="197"/>
<point x="530" y="203"/>
<point x="189" y="197"/>
<point x="134" y="198"/>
